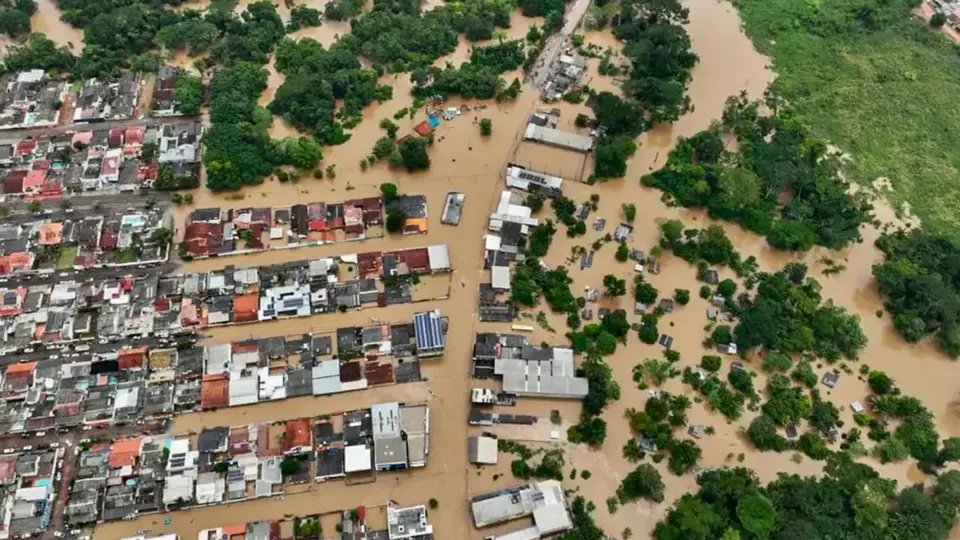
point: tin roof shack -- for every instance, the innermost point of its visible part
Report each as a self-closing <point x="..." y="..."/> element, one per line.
<point x="31" y="99"/>
<point x="542" y="500"/>
<point x="99" y="101"/>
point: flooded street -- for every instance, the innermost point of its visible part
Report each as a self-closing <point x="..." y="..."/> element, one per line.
<point x="464" y="161"/>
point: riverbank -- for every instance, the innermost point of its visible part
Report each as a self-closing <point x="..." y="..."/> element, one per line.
<point x="881" y="87"/>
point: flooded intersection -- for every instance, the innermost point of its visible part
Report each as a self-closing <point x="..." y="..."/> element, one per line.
<point x="464" y="161"/>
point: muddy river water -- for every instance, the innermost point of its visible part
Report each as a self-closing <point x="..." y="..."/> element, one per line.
<point x="464" y="161"/>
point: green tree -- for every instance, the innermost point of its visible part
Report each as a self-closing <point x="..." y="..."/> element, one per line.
<point x="938" y="19"/>
<point x="642" y="482"/>
<point x="880" y="382"/>
<point x="682" y="296"/>
<point x="614" y="286"/>
<point x="389" y="127"/>
<point x="34" y="207"/>
<point x="486" y="127"/>
<point x="629" y="212"/>
<point x="413" y="152"/>
<point x="623" y="253"/>
<point x="395" y="220"/>
<point x="188" y="94"/>
<point x="389" y="192"/>
<point x="289" y="466"/>
<point x="757" y="514"/>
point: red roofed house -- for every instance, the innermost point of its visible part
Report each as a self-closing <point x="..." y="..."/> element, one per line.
<point x="34" y="181"/>
<point x="215" y="391"/>
<point x="52" y="188"/>
<point x="115" y="140"/>
<point x="13" y="181"/>
<point x="202" y="239"/>
<point x="423" y="129"/>
<point x="132" y="358"/>
<point x="26" y="147"/>
<point x="50" y="234"/>
<point x="298" y="436"/>
<point x="18" y="377"/>
<point x="353" y="219"/>
<point x="16" y="262"/>
<point x="124" y="453"/>
<point x="245" y="307"/>
<point x="133" y="141"/>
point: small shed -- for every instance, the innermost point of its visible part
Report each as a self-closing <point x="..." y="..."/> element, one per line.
<point x="666" y="341"/>
<point x="830" y="379"/>
<point x="857" y="407"/>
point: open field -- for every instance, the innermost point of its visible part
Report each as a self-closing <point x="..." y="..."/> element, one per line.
<point x="883" y="93"/>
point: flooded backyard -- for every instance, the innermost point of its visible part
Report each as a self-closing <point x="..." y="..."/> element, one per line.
<point x="464" y="161"/>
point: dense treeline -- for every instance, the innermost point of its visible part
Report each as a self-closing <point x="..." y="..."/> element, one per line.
<point x="123" y="35"/>
<point x="920" y="279"/>
<point x="316" y="78"/>
<point x="778" y="160"/>
<point x="399" y="38"/>
<point x="661" y="58"/>
<point x="787" y="315"/>
<point x="851" y="501"/>
<point x="38" y="52"/>
<point x="237" y="145"/>
<point x="15" y="16"/>
<point x="479" y="78"/>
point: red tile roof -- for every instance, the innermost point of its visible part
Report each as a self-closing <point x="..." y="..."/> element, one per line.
<point x="214" y="391"/>
<point x="124" y="453"/>
<point x="298" y="433"/>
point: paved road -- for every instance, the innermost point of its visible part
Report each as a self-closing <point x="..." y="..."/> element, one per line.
<point x="17" y="209"/>
<point x="28" y="280"/>
<point x="95" y="348"/>
<point x="70" y="128"/>
<point x="556" y="43"/>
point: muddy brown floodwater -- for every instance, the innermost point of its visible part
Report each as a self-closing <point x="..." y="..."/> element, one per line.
<point x="47" y="20"/>
<point x="464" y="161"/>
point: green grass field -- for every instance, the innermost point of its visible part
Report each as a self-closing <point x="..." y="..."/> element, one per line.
<point x="888" y="96"/>
<point x="66" y="257"/>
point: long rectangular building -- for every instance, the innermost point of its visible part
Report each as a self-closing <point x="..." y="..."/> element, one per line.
<point x="560" y="139"/>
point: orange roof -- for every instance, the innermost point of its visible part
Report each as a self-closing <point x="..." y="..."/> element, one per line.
<point x="232" y="530"/>
<point x="298" y="433"/>
<point x="245" y="306"/>
<point x="214" y="392"/>
<point x="124" y="452"/>
<point x="131" y="358"/>
<point x="26" y="367"/>
<point x="51" y="234"/>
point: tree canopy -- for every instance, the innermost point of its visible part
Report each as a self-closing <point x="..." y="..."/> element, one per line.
<point x="783" y="183"/>
<point x="850" y="501"/>
<point x="920" y="280"/>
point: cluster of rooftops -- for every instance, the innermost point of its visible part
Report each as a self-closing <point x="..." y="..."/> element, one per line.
<point x="128" y="385"/>
<point x="124" y="239"/>
<point x="123" y="478"/>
